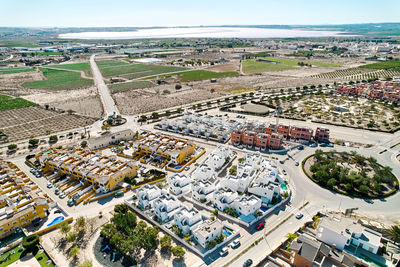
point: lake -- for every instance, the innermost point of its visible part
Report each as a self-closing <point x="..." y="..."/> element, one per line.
<point x="201" y="32"/>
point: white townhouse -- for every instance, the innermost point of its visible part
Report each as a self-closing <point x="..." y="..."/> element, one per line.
<point x="165" y="207"/>
<point x="146" y="196"/>
<point x="202" y="172"/>
<point x="187" y="219"/>
<point x="247" y="205"/>
<point x="240" y="182"/>
<point x="224" y="198"/>
<point x="266" y="191"/>
<point x="343" y="232"/>
<point x="207" y="231"/>
<point x="179" y="184"/>
<point x="203" y="190"/>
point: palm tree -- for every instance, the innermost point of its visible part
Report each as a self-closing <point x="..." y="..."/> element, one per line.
<point x="291" y="236"/>
<point x="394" y="233"/>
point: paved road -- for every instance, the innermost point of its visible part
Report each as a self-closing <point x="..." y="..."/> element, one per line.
<point x="108" y="102"/>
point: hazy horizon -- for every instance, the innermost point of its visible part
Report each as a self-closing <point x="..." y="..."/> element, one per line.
<point x="175" y="13"/>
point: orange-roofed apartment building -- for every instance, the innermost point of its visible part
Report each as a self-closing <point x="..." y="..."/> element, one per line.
<point x="303" y="133"/>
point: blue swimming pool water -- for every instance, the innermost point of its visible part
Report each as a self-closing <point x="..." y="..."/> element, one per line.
<point x="56" y="220"/>
<point x="227" y="233"/>
<point x="263" y="208"/>
<point x="283" y="186"/>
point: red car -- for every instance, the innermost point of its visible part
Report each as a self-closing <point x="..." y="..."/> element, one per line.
<point x="260" y="226"/>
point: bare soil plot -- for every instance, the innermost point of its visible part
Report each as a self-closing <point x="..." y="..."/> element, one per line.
<point x="29" y="122"/>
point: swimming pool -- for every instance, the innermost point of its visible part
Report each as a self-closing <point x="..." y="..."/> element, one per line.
<point x="284" y="187"/>
<point x="263" y="208"/>
<point x="56" y="220"/>
<point x="227" y="233"/>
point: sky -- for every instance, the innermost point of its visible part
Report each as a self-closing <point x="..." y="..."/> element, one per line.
<point x="124" y="13"/>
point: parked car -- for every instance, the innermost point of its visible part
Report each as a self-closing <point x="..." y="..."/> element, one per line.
<point x="49" y="185"/>
<point x="57" y="211"/>
<point x="297" y="163"/>
<point x="223" y="251"/>
<point x="260" y="226"/>
<point x="62" y="195"/>
<point x="248" y="263"/>
<point x="70" y="202"/>
<point x="235" y="243"/>
<point x="284" y="172"/>
<point x="299" y="215"/>
<point x="330" y="144"/>
<point x="57" y="191"/>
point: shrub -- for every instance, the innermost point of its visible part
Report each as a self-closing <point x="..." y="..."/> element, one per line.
<point x="178" y="251"/>
<point x="12" y="147"/>
<point x="178" y="86"/>
<point x="30" y="242"/>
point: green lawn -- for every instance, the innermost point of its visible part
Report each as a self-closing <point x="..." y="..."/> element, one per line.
<point x="391" y="64"/>
<point x="15" y="70"/>
<point x="48" y="53"/>
<point x="13" y="258"/>
<point x="18" y="44"/>
<point x="132" y="70"/>
<point x="41" y="258"/>
<point x="60" y="80"/>
<point x="84" y="66"/>
<point x="121" y="87"/>
<point x="8" y="102"/>
<point x="195" y="75"/>
<point x="254" y="66"/>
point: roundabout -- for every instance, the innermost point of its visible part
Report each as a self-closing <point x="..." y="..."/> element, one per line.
<point x="350" y="174"/>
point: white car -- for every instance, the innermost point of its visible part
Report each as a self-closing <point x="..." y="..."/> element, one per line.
<point x="223" y="251"/>
<point x="235" y="243"/>
<point x="62" y="195"/>
<point x="299" y="216"/>
<point x="49" y="185"/>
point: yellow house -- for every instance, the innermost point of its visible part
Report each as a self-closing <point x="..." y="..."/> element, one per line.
<point x="165" y="147"/>
<point x="21" y="200"/>
<point x="88" y="168"/>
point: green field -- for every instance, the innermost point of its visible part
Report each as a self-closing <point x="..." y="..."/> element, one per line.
<point x="18" y="44"/>
<point x="60" y="80"/>
<point x="195" y="75"/>
<point x="8" y="102"/>
<point x="121" y="68"/>
<point x="84" y="66"/>
<point x="15" y="70"/>
<point x="121" y="87"/>
<point x="48" y="53"/>
<point x="386" y="65"/>
<point x="255" y="66"/>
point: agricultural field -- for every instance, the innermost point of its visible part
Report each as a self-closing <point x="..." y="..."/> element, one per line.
<point x="339" y="110"/>
<point x="23" y="123"/>
<point x="195" y="75"/>
<point x="359" y="74"/>
<point x="110" y="68"/>
<point x="278" y="64"/>
<point x="59" y="80"/>
<point x="126" y="86"/>
<point x="15" y="70"/>
<point x="48" y="53"/>
<point x="8" y="102"/>
<point x="386" y="65"/>
<point x="84" y="66"/>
